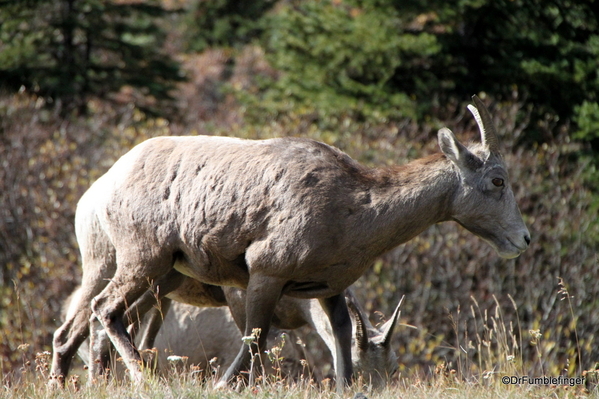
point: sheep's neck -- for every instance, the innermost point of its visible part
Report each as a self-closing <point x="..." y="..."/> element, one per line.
<point x="408" y="199"/>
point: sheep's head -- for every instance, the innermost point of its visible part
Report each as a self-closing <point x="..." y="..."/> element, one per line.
<point x="372" y="354"/>
<point x="484" y="203"/>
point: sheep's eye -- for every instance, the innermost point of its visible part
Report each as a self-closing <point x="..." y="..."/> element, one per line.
<point x="497" y="182"/>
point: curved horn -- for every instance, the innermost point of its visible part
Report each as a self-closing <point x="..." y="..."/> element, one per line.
<point x="361" y="328"/>
<point x="485" y="124"/>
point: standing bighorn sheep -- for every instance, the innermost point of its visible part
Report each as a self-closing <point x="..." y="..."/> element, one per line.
<point x="280" y="217"/>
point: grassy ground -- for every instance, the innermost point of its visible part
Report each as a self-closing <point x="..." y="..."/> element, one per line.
<point x="184" y="386"/>
<point x="443" y="382"/>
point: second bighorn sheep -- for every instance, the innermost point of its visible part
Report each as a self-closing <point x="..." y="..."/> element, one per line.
<point x="373" y="357"/>
<point x="207" y="332"/>
<point x="201" y="337"/>
<point x="279" y="217"/>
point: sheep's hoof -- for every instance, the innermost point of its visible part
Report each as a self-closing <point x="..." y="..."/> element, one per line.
<point x="56" y="382"/>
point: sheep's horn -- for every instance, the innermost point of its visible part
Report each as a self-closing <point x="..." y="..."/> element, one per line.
<point x="361" y="328"/>
<point x="485" y="124"/>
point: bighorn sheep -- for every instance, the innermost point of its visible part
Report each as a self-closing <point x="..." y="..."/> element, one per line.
<point x="372" y="355"/>
<point x="201" y="334"/>
<point x="279" y="217"/>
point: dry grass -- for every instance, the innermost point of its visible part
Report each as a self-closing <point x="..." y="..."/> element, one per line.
<point x="497" y="357"/>
<point x="183" y="385"/>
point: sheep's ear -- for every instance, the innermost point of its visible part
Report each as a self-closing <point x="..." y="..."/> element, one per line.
<point x="389" y="326"/>
<point x="456" y="151"/>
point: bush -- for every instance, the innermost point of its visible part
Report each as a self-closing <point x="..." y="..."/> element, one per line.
<point x="337" y="58"/>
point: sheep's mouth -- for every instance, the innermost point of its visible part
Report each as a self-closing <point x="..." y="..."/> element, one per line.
<point x="506" y="248"/>
<point x="501" y="243"/>
<point x="520" y="248"/>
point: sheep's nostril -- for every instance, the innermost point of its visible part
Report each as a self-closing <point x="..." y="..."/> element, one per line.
<point x="527" y="239"/>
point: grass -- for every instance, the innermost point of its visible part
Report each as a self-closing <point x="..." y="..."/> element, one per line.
<point x="182" y="385"/>
<point x="486" y="355"/>
<point x="488" y="349"/>
<point x="480" y="376"/>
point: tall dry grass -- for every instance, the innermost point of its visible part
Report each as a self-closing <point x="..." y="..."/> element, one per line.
<point x="445" y="382"/>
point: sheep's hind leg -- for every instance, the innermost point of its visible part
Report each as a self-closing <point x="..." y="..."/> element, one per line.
<point x="155" y="305"/>
<point x="73" y="332"/>
<point x="66" y="341"/>
<point x="100" y="354"/>
<point x="128" y="284"/>
<point x="153" y="323"/>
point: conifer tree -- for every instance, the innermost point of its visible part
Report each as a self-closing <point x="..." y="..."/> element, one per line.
<point x="68" y="50"/>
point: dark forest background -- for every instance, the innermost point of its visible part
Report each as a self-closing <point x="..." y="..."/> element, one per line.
<point x="82" y="81"/>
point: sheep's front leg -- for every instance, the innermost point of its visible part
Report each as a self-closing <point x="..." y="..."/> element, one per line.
<point x="155" y="303"/>
<point x="153" y="321"/>
<point x="336" y="309"/>
<point x="263" y="294"/>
